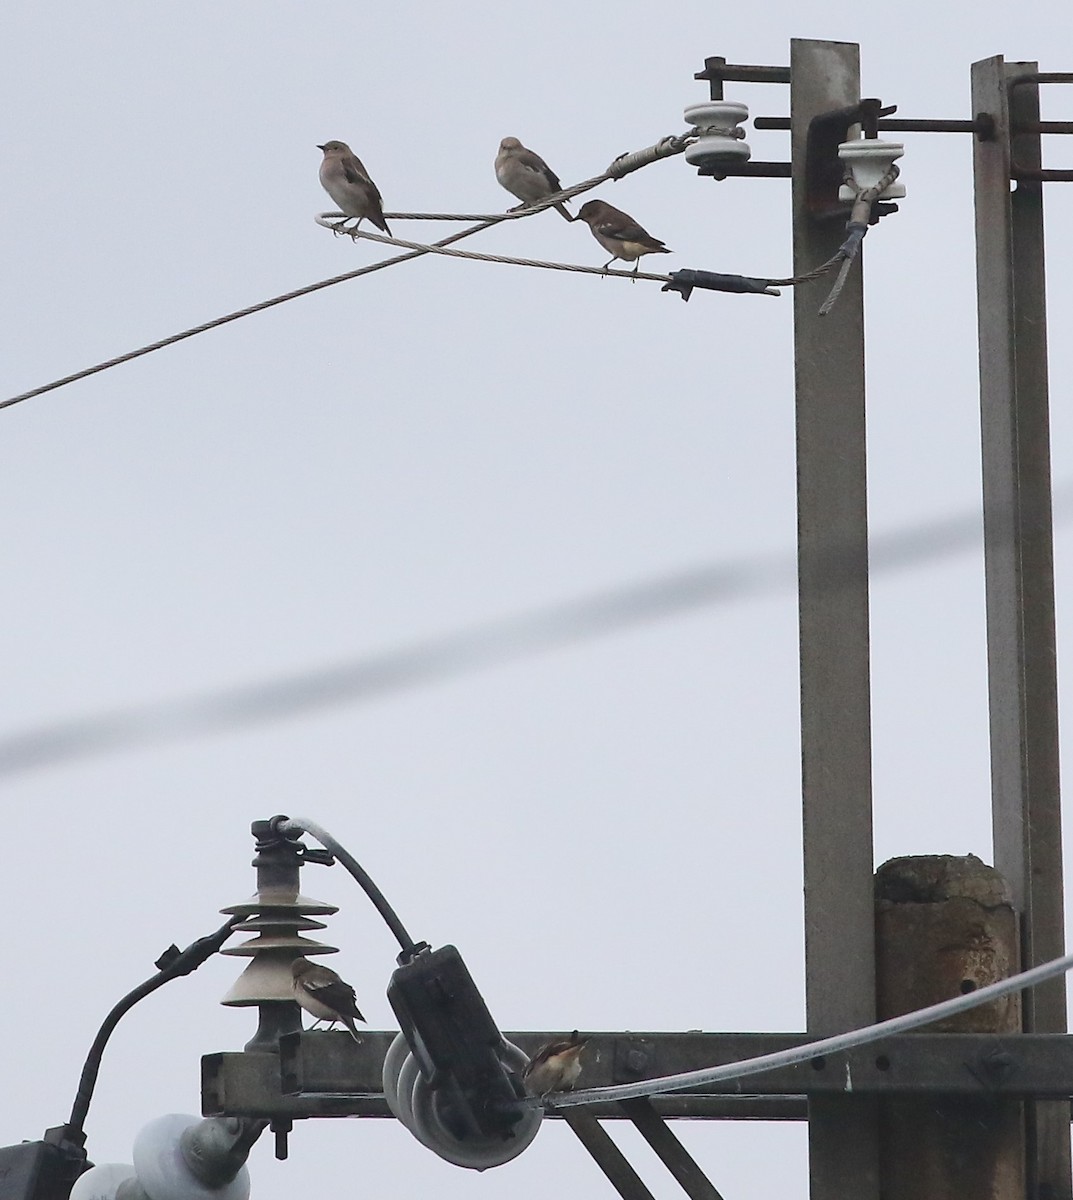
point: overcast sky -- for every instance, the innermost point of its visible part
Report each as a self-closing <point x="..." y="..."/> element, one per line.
<point x="609" y="830"/>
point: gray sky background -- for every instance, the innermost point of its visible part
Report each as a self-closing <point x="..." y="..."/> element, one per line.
<point x="609" y="831"/>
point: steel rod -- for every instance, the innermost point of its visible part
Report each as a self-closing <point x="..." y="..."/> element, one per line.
<point x="609" y="1158"/>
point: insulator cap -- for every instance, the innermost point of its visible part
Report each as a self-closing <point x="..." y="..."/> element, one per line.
<point x="720" y="141"/>
<point x="868" y="160"/>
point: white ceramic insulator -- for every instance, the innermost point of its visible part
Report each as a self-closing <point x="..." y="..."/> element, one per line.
<point x="868" y="160"/>
<point x="717" y="121"/>
<point x="163" y="1171"/>
<point x="411" y="1100"/>
<point x="100" y="1182"/>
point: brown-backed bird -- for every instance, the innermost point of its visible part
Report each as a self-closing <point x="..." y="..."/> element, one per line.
<point x="323" y="995"/>
<point x="619" y="233"/>
<point x="555" y="1067"/>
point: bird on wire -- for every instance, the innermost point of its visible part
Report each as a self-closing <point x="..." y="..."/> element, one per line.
<point x="619" y="233"/>
<point x="324" y="995"/>
<point x="555" y="1067"/>
<point x="526" y="175"/>
<point x="344" y="177"/>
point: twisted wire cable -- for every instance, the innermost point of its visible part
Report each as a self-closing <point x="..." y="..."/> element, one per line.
<point x="623" y="165"/>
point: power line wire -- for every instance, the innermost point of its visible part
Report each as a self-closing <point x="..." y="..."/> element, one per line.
<point x="828" y="1045"/>
<point x="622" y="165"/>
<point x="437" y="659"/>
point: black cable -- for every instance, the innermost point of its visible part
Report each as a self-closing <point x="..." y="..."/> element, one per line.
<point x="362" y="680"/>
<point x="172" y="964"/>
<point x="288" y="826"/>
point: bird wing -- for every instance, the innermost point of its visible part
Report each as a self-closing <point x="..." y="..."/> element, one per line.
<point x="543" y="1054"/>
<point x="353" y="170"/>
<point x="335" y="994"/>
<point x="624" y="229"/>
<point x="533" y="162"/>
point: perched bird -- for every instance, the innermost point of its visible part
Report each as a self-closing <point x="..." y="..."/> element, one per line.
<point x="526" y="175"/>
<point x="555" y="1067"/>
<point x="619" y="233"/>
<point x="321" y="992"/>
<point x="346" y="180"/>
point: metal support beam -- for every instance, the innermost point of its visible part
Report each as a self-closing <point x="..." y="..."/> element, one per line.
<point x="674" y="1156"/>
<point x="609" y="1158"/>
<point x="327" y="1074"/>
<point x="1019" y="571"/>
<point x="833" y="614"/>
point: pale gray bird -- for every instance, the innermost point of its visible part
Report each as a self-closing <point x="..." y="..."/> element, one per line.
<point x="555" y="1067"/>
<point x="345" y="179"/>
<point x="526" y="175"/>
<point x="323" y="995"/>
<point x="619" y="233"/>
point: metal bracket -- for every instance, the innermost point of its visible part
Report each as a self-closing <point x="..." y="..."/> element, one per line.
<point x="824" y="172"/>
<point x="674" y="1156"/>
<point x="1025" y="171"/>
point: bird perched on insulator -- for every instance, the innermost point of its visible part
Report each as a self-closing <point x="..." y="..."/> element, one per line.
<point x="324" y="995"/>
<point x="555" y="1067"/>
<point x="619" y="233"/>
<point x="344" y="177"/>
<point x="526" y="175"/>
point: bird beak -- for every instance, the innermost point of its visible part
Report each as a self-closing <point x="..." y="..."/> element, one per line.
<point x="320" y="147"/>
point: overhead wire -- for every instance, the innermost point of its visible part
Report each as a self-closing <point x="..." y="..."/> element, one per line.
<point x="623" y="165"/>
<point x="364" y="234"/>
<point x="812" y="1050"/>
<point x="620" y="167"/>
<point x="364" y="680"/>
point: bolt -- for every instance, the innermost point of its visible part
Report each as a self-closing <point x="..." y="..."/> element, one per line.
<point x="636" y="1060"/>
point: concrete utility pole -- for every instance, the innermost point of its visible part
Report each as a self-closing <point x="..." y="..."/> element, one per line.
<point x="836" y="741"/>
<point x="1019" y="561"/>
<point x="976" y="1110"/>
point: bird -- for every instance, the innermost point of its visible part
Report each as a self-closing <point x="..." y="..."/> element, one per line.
<point x="619" y="233"/>
<point x="555" y="1067"/>
<point x="526" y="175"/>
<point x="345" y="179"/>
<point x="321" y="992"/>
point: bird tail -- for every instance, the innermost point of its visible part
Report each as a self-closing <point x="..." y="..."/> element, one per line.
<point x="351" y="1028"/>
<point x="563" y="211"/>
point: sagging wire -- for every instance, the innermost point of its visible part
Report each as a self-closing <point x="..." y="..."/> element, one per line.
<point x="683" y="282"/>
<point x="422" y="663"/>
<point x="623" y="165"/>
<point x="829" y="1045"/>
<point x="709" y="280"/>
